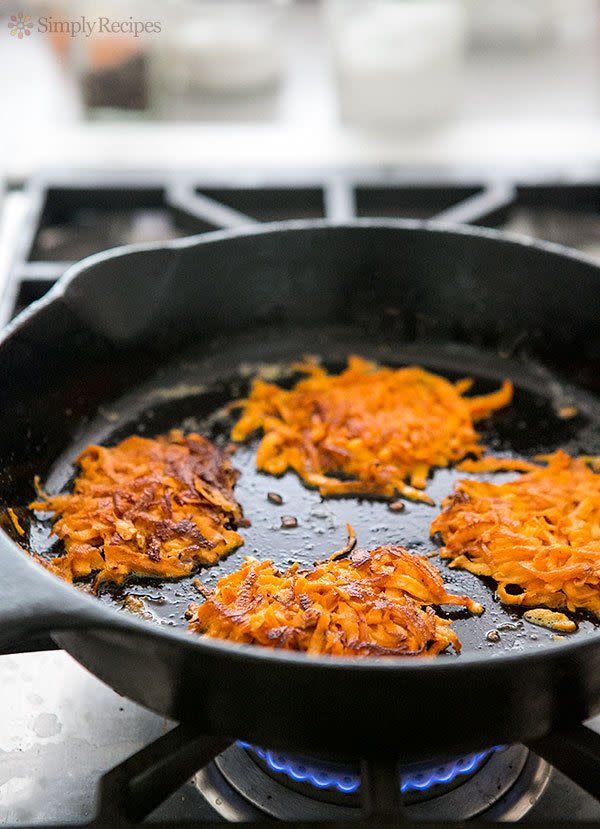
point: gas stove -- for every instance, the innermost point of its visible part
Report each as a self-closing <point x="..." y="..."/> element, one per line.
<point x="74" y="752"/>
<point x="66" y="739"/>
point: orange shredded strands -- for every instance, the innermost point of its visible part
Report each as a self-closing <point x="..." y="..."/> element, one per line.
<point x="367" y="431"/>
<point x="492" y="464"/>
<point x="15" y="521"/>
<point x="149" y="507"/>
<point x="537" y="536"/>
<point x="369" y="603"/>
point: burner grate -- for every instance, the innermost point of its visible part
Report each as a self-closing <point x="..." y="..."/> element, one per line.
<point x="73" y="216"/>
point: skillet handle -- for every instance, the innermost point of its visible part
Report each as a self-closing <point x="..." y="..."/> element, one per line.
<point x="33" y="603"/>
<point x="576" y="753"/>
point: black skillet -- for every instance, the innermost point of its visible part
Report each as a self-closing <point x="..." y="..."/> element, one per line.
<point x="145" y="338"/>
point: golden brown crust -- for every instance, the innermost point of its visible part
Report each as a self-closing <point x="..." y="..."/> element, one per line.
<point x="367" y="431"/>
<point x="369" y="603"/>
<point x="538" y="536"/>
<point x="150" y="507"/>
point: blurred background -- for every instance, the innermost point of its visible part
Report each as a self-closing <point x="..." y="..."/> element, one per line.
<point x="210" y="113"/>
<point x="301" y="82"/>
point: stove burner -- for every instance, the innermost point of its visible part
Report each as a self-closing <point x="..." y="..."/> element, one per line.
<point x="245" y="783"/>
<point x="345" y="779"/>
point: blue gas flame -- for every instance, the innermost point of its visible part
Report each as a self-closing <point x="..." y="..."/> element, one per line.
<point x="346" y="780"/>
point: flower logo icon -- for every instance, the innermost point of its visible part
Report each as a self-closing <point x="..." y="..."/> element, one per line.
<point x="19" y="25"/>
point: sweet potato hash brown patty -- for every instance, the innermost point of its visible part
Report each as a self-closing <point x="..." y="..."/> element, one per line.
<point x="150" y="507"/>
<point x="367" y="431"/>
<point x="365" y="604"/>
<point x="537" y="536"/>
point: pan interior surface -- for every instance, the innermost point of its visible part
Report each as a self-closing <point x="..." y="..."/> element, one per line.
<point x="192" y="392"/>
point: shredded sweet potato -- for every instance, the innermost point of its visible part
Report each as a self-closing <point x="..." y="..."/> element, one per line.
<point x="149" y="507"/>
<point x="537" y="536"/>
<point x="15" y="521"/>
<point x="367" y="431"/>
<point x="492" y="464"/>
<point x="369" y="603"/>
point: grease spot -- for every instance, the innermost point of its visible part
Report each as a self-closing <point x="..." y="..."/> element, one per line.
<point x="46" y="725"/>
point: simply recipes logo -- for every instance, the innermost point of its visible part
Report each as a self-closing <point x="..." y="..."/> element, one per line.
<point x="21" y="26"/>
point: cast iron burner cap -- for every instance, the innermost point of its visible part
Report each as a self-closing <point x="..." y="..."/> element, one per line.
<point x="246" y="782"/>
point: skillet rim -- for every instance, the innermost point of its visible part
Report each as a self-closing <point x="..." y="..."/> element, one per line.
<point x="100" y="616"/>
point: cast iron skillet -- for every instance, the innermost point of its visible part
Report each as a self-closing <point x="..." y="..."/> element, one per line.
<point x="144" y="338"/>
